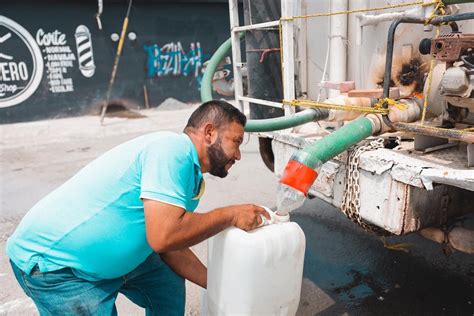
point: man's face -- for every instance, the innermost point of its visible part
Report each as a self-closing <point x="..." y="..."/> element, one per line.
<point x="225" y="150"/>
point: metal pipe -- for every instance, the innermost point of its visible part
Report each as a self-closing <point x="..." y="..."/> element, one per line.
<point x="453" y="18"/>
<point x="458" y="238"/>
<point x="337" y="44"/>
<point x="436" y="132"/>
<point x="116" y="63"/>
<point x="390" y="46"/>
<point x="389" y="58"/>
<point x="373" y="19"/>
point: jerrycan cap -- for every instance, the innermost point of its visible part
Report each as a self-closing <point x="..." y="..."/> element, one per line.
<point x="281" y="218"/>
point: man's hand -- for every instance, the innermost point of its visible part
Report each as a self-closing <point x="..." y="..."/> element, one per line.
<point x="170" y="227"/>
<point x="248" y="216"/>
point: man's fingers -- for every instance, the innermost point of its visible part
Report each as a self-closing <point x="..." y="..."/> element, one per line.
<point x="264" y="212"/>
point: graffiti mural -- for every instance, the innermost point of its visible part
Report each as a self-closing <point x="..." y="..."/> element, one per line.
<point x="171" y="59"/>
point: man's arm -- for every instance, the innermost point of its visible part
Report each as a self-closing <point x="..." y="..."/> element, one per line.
<point x="170" y="227"/>
<point x="186" y="264"/>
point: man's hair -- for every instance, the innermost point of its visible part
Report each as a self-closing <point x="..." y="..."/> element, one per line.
<point x="219" y="113"/>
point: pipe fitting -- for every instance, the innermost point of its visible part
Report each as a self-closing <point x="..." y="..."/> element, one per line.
<point x="410" y="114"/>
<point x="378" y="125"/>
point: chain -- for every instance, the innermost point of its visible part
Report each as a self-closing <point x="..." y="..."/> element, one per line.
<point x="351" y="200"/>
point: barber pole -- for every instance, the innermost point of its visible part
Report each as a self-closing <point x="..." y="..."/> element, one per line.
<point x="84" y="51"/>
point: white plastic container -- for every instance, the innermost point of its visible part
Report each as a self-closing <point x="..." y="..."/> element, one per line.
<point x="257" y="272"/>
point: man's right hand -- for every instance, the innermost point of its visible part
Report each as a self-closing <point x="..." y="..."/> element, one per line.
<point x="171" y="228"/>
<point x="247" y="216"/>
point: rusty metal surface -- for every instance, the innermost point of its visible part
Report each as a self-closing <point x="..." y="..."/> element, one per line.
<point x="453" y="134"/>
<point x="449" y="47"/>
<point x="433" y="208"/>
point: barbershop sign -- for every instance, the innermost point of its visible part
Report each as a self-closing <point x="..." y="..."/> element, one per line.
<point x="21" y="63"/>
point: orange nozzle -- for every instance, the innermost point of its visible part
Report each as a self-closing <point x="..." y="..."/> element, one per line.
<point x="298" y="176"/>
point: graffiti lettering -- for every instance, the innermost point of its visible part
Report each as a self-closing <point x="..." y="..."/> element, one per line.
<point x="52" y="38"/>
<point x="172" y="60"/>
<point x="13" y="71"/>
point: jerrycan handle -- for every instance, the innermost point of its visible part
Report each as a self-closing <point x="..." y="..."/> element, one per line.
<point x="274" y="218"/>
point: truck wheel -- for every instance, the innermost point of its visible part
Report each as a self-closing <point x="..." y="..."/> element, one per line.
<point x="266" y="152"/>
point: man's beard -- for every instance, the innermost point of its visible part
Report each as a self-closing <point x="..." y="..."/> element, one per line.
<point x="218" y="159"/>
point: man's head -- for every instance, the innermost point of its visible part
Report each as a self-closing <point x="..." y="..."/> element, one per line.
<point x="217" y="129"/>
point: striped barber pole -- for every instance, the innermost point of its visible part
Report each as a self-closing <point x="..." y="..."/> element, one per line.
<point x="84" y="51"/>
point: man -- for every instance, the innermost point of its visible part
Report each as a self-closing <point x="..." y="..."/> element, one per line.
<point x="124" y="222"/>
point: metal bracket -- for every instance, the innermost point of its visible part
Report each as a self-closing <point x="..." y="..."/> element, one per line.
<point x="470" y="155"/>
<point x="423" y="142"/>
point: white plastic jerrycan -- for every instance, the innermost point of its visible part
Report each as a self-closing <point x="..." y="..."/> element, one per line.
<point x="257" y="272"/>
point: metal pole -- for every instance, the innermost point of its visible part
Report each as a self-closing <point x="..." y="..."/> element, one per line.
<point x="116" y="62"/>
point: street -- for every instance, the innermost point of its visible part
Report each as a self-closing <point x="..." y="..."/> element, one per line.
<point x="347" y="271"/>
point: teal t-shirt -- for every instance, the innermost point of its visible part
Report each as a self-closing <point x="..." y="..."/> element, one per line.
<point x="94" y="223"/>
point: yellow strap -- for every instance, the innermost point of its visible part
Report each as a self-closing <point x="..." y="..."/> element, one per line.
<point x="440" y="7"/>
<point x="396" y="104"/>
<point x="315" y="104"/>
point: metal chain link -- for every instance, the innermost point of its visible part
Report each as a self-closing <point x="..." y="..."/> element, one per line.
<point x="351" y="199"/>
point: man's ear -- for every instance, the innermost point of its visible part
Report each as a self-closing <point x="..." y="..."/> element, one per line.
<point x="210" y="133"/>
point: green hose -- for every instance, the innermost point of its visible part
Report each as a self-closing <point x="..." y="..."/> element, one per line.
<point x="279" y="123"/>
<point x="206" y="83"/>
<point x="265" y="125"/>
<point x="335" y="143"/>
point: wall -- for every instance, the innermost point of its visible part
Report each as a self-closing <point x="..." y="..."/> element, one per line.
<point x="50" y="67"/>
